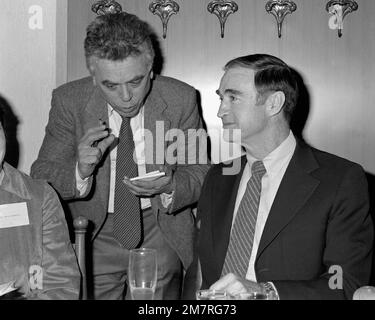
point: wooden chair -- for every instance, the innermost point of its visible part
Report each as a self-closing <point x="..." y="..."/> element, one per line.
<point x="80" y="227"/>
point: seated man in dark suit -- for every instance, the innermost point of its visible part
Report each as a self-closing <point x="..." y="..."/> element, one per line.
<point x="294" y="221"/>
<point x="36" y="257"/>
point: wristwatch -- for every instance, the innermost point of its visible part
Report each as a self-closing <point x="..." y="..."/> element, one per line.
<point x="270" y="291"/>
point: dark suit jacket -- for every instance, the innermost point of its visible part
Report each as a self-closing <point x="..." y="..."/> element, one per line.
<point x="78" y="106"/>
<point x="319" y="218"/>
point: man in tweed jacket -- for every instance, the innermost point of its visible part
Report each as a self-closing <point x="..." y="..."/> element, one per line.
<point x="78" y="152"/>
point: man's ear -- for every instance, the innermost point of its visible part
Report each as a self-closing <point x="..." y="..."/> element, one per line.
<point x="275" y="103"/>
<point x="152" y="74"/>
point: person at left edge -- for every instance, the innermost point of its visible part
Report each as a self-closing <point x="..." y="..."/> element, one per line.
<point x="79" y="146"/>
<point x="35" y="250"/>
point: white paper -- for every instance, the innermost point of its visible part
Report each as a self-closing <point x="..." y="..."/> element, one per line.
<point x="149" y="175"/>
<point x="13" y="215"/>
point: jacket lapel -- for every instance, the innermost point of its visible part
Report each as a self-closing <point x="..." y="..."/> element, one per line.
<point x="294" y="191"/>
<point x="156" y="123"/>
<point x="96" y="109"/>
<point x="223" y="208"/>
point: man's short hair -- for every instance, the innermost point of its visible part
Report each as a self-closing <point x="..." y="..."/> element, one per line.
<point x="271" y="74"/>
<point x="117" y="36"/>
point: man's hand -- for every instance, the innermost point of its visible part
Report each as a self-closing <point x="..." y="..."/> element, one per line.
<point x="91" y="148"/>
<point x="144" y="188"/>
<point x="235" y="285"/>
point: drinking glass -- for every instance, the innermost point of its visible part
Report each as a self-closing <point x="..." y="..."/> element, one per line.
<point x="212" y="295"/>
<point x="251" y="296"/>
<point x="142" y="273"/>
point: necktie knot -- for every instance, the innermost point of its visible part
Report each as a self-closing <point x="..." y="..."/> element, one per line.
<point x="258" y="169"/>
<point x="125" y="124"/>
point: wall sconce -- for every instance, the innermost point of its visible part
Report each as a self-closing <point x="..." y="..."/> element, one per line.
<point x="222" y="9"/>
<point x="279" y="9"/>
<point x="106" y="7"/>
<point x="339" y="9"/>
<point x="164" y="9"/>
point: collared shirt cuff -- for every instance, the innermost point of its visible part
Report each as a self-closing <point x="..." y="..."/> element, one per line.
<point x="166" y="199"/>
<point x="81" y="184"/>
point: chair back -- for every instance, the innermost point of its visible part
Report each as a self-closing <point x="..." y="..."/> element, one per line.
<point x="80" y="228"/>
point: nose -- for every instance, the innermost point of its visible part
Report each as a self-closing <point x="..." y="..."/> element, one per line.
<point x="223" y="110"/>
<point x="126" y="93"/>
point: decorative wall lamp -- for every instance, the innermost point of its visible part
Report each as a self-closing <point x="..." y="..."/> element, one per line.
<point x="222" y="9"/>
<point x="279" y="9"/>
<point x="164" y="9"/>
<point x="106" y="6"/>
<point x="339" y="9"/>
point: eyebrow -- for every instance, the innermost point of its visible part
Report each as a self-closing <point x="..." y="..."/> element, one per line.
<point x="229" y="91"/>
<point x="137" y="78"/>
<point x="106" y="82"/>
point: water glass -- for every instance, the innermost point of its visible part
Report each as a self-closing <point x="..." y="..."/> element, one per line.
<point x="251" y="296"/>
<point x="211" y="295"/>
<point x="142" y="273"/>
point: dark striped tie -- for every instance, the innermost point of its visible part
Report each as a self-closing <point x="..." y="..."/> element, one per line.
<point x="242" y="235"/>
<point x="127" y="212"/>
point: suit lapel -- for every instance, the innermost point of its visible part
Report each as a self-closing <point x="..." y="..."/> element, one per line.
<point x="156" y="123"/>
<point x="96" y="109"/>
<point x="294" y="191"/>
<point x="223" y="208"/>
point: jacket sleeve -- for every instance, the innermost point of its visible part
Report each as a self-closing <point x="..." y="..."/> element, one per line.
<point x="61" y="275"/>
<point x="348" y="252"/>
<point x="57" y="156"/>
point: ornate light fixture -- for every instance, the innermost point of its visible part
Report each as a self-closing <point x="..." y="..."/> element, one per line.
<point x="222" y="9"/>
<point x="279" y="9"/>
<point x="164" y="9"/>
<point x="106" y="6"/>
<point x="340" y="8"/>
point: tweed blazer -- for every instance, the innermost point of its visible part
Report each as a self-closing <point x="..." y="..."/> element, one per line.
<point x="171" y="104"/>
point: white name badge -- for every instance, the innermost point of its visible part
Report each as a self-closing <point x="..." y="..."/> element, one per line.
<point x="13" y="215"/>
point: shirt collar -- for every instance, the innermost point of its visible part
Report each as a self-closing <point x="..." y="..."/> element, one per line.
<point x="112" y="111"/>
<point x="274" y="161"/>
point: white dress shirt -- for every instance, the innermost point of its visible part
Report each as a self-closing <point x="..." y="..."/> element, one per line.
<point x="137" y="126"/>
<point x="275" y="163"/>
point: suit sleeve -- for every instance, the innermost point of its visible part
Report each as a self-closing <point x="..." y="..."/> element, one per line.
<point x="61" y="276"/>
<point x="192" y="163"/>
<point x="57" y="156"/>
<point x="348" y="252"/>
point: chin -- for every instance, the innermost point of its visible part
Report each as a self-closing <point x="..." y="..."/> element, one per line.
<point x="232" y="135"/>
<point x="128" y="113"/>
